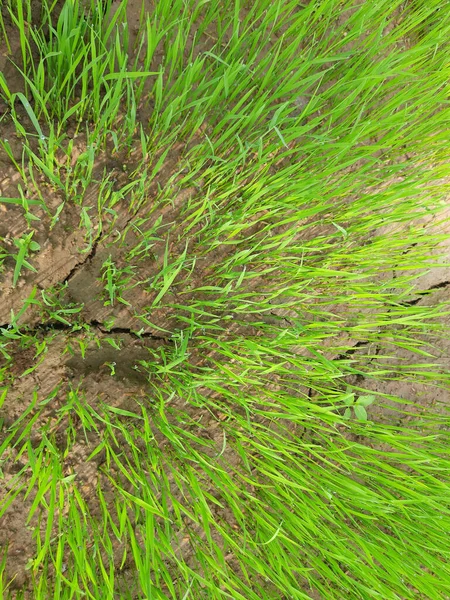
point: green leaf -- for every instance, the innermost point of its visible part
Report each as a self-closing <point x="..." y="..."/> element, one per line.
<point x="365" y="400"/>
<point x="360" y="412"/>
<point x="342" y="230"/>
<point x="30" y="113"/>
<point x="69" y="478"/>
<point x="34" y="246"/>
<point x="348" y="399"/>
<point x="122" y="412"/>
<point x="347" y="413"/>
<point x="129" y="75"/>
<point x="19" y="201"/>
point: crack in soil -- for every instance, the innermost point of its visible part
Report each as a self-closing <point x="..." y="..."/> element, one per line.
<point x="90" y="257"/>
<point x="79" y="265"/>
<point x="351" y="351"/>
<point x="127" y="331"/>
<point x="69" y="328"/>
<point x="421" y="294"/>
<point x="94" y="324"/>
<point x="424" y="293"/>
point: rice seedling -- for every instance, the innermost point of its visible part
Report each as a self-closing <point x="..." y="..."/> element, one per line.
<point x="24" y="245"/>
<point x="115" y="280"/>
<point x="253" y="193"/>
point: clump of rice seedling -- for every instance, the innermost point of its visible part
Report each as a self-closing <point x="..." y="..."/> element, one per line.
<point x="115" y="281"/>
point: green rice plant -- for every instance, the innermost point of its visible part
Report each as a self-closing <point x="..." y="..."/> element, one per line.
<point x="20" y="13"/>
<point x="4" y="35"/>
<point x="54" y="309"/>
<point x="143" y="250"/>
<point x="115" y="281"/>
<point x="169" y="272"/>
<point x="81" y="67"/>
<point x="19" y="167"/>
<point x="25" y="245"/>
<point x="263" y="453"/>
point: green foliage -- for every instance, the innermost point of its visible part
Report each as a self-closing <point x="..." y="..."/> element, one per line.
<point x="256" y="461"/>
<point x="358" y="405"/>
<point x="115" y="281"/>
<point x="25" y="245"/>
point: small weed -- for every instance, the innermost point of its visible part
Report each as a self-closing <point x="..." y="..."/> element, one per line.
<point x="358" y="405"/>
